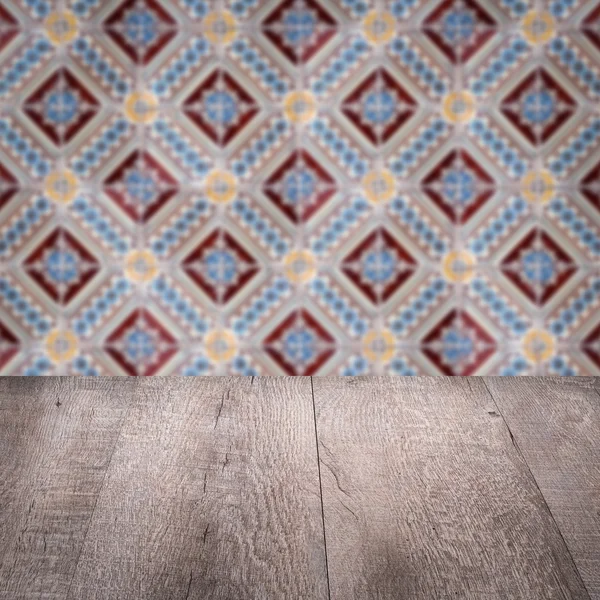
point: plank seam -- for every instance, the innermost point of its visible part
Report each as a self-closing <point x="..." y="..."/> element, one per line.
<point x="312" y="390"/>
<point x="520" y="453"/>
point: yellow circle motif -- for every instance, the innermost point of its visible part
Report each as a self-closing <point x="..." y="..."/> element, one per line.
<point x="379" y="186"/>
<point x="221" y="186"/>
<point x="141" y="265"/>
<point x="538" y="345"/>
<point x="61" y="346"/>
<point x="459" y="107"/>
<point x="378" y="346"/>
<point x="61" y="186"/>
<point x="538" y="186"/>
<point x="220" y="27"/>
<point x="538" y="27"/>
<point x="221" y="345"/>
<point x="61" y="27"/>
<point x="141" y="107"/>
<point x="300" y="265"/>
<point x="458" y="266"/>
<point x="300" y="107"/>
<point x="379" y="27"/>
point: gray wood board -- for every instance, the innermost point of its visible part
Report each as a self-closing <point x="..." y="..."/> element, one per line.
<point x="213" y="493"/>
<point x="556" y="425"/>
<point x="425" y="496"/>
<point x="57" y="436"/>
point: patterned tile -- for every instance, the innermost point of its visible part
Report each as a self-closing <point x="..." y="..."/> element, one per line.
<point x="299" y="187"/>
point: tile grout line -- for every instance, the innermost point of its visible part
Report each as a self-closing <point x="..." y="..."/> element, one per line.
<point x="312" y="389"/>
<point x="520" y="453"/>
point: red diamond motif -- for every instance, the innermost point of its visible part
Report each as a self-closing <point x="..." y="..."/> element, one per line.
<point x="61" y="266"/>
<point x="538" y="266"/>
<point x="220" y="266"/>
<point x="141" y="345"/>
<point x="459" y="28"/>
<point x="590" y="186"/>
<point x="141" y="186"/>
<point x="9" y="27"/>
<point x="591" y="346"/>
<point x="9" y="344"/>
<point x="9" y="185"/>
<point x="220" y="107"/>
<point x="300" y="345"/>
<point x="141" y="28"/>
<point x="379" y="106"/>
<point x="300" y="187"/>
<point x="591" y="27"/>
<point x="538" y="107"/>
<point x="458" y="186"/>
<point x="458" y="345"/>
<point x="61" y="107"/>
<point x="299" y="29"/>
<point x="379" y="266"/>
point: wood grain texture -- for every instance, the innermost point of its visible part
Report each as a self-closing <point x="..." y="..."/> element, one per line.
<point x="556" y="425"/>
<point x="57" y="436"/>
<point x="212" y="493"/>
<point x="425" y="496"/>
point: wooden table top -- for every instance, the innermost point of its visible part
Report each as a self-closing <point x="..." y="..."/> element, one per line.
<point x="299" y="488"/>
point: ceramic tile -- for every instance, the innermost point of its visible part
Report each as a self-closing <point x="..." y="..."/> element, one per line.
<point x="303" y="187"/>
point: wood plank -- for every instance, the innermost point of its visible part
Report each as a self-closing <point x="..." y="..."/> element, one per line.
<point x="213" y="493"/>
<point x="425" y="496"/>
<point x="57" y="436"/>
<point x="556" y="424"/>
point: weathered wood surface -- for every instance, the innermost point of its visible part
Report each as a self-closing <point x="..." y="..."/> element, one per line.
<point x="214" y="488"/>
<point x="213" y="493"/>
<point x="425" y="496"/>
<point x="57" y="436"/>
<point x="556" y="426"/>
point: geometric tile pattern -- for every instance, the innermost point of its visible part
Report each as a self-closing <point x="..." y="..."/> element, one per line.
<point x="301" y="187"/>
